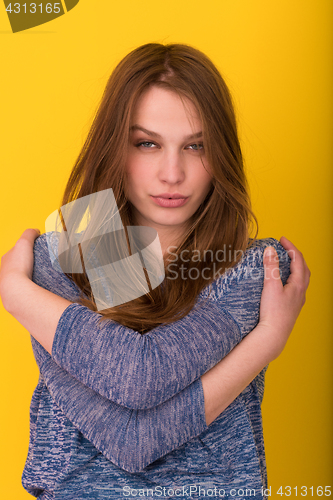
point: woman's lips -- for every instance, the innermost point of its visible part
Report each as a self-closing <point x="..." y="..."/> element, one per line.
<point x="169" y="203"/>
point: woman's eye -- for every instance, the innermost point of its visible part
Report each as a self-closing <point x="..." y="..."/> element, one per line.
<point x="196" y="147"/>
<point x="150" y="145"/>
<point x="145" y="144"/>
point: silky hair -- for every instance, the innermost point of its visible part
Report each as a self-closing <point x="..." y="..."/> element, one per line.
<point x="223" y="221"/>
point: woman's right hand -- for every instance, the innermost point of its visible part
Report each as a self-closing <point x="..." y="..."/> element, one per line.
<point x="280" y="305"/>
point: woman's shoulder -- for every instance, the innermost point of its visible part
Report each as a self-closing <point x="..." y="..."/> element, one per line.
<point x="47" y="272"/>
<point x="252" y="257"/>
<point x="263" y="243"/>
<point x="46" y="252"/>
<point x="249" y="269"/>
<point x="255" y="252"/>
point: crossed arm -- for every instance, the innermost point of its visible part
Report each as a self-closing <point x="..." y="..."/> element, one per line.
<point x="41" y="312"/>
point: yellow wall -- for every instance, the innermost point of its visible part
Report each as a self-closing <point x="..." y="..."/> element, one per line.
<point x="276" y="58"/>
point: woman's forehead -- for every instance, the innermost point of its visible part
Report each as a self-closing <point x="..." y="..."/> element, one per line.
<point x="158" y="107"/>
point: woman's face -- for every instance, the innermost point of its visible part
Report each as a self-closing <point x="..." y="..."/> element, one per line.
<point x="166" y="178"/>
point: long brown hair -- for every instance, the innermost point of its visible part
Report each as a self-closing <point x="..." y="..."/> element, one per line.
<point x="221" y="222"/>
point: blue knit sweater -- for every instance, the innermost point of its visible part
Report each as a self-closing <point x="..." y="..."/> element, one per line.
<point x="118" y="414"/>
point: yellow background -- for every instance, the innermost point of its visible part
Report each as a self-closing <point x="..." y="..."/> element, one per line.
<point x="276" y="56"/>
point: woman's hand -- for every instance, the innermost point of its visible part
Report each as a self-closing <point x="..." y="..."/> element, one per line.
<point x="37" y="309"/>
<point x="17" y="263"/>
<point x="279" y="308"/>
<point x="280" y="305"/>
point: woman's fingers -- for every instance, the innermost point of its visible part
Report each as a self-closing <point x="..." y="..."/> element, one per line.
<point x="299" y="272"/>
<point x="19" y="259"/>
<point x="29" y="235"/>
<point x="280" y="302"/>
<point x="26" y="242"/>
<point x="272" y="280"/>
<point x="280" y="305"/>
<point x="273" y="288"/>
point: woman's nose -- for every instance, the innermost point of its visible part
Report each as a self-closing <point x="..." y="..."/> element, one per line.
<point x="171" y="168"/>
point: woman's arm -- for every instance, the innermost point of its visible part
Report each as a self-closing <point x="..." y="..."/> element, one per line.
<point x="131" y="439"/>
<point x="134" y="438"/>
<point x="133" y="370"/>
<point x="279" y="308"/>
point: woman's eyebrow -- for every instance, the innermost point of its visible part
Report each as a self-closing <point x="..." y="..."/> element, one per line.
<point x="155" y="134"/>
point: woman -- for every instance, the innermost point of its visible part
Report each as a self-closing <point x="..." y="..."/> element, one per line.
<point x="162" y="397"/>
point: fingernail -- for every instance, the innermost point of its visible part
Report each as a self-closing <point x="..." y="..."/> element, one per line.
<point x="38" y="231"/>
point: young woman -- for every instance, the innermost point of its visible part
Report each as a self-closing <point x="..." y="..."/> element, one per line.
<point x="159" y="396"/>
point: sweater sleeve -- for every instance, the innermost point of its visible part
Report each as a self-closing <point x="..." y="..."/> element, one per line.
<point x="131" y="439"/>
<point x="134" y="438"/>
<point x="136" y="371"/>
<point x="142" y="371"/>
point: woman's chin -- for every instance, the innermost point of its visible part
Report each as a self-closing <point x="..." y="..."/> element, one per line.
<point x="170" y="221"/>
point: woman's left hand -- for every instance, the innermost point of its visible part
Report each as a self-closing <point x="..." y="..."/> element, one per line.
<point x="18" y="261"/>
<point x="280" y="305"/>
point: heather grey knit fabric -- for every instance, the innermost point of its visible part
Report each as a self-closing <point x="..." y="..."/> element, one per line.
<point x="117" y="414"/>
